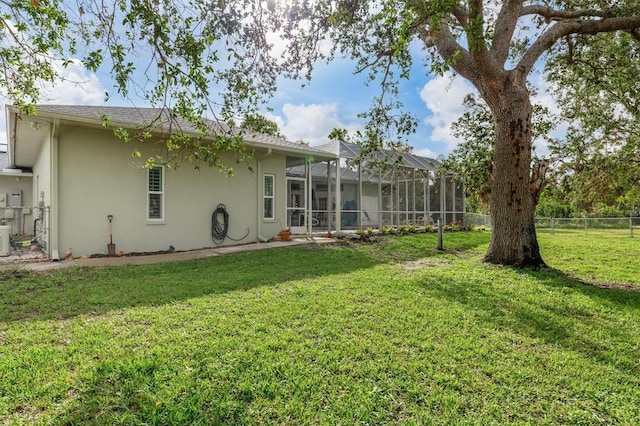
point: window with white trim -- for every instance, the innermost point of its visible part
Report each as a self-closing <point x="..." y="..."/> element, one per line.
<point x="155" y="193"/>
<point x="269" y="197"/>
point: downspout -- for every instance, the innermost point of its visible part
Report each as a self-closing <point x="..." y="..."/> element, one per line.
<point x="54" y="225"/>
<point x="260" y="197"/>
<point x="12" y="160"/>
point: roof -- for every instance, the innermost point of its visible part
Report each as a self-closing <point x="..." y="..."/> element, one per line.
<point x="162" y="121"/>
<point x="353" y="151"/>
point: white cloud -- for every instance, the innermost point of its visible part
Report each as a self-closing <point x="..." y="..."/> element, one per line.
<point x="444" y="97"/>
<point x="311" y="123"/>
<point x="426" y="152"/>
<point x="76" y="86"/>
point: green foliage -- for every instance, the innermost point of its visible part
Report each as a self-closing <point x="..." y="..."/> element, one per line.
<point x="258" y="123"/>
<point x="553" y="204"/>
<point x="598" y="161"/>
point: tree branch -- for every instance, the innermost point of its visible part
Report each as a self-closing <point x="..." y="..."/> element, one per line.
<point x="577" y="26"/>
<point x="450" y="50"/>
<point x="475" y="32"/>
<point x="385" y="54"/>
<point x="461" y="16"/>
<point x="551" y="14"/>
<point x="505" y="26"/>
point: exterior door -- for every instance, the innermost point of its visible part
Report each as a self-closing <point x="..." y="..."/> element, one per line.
<point x="296" y="205"/>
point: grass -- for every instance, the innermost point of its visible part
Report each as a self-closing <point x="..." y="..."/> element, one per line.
<point x="387" y="333"/>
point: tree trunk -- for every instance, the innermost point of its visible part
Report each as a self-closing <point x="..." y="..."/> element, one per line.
<point x="513" y="232"/>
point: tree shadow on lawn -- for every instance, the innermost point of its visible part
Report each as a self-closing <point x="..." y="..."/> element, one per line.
<point x="71" y="292"/>
<point x="556" y="309"/>
<point x="130" y="391"/>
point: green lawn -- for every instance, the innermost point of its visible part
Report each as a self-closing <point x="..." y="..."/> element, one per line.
<point x="387" y="333"/>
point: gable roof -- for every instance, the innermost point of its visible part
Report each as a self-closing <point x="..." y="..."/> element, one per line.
<point x="161" y="120"/>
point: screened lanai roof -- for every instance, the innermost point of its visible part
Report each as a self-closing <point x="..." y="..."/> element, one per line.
<point x="352" y="151"/>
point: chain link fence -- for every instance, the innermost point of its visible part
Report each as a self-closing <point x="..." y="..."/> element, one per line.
<point x="477" y="220"/>
<point x="622" y="226"/>
<point x="614" y="226"/>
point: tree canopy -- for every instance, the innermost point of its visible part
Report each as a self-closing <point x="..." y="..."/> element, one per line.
<point x="598" y="162"/>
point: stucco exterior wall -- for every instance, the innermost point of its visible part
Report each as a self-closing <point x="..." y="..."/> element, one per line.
<point x="22" y="183"/>
<point x="42" y="174"/>
<point x="97" y="177"/>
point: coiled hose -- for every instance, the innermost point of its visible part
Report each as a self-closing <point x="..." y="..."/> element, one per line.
<point x="220" y="225"/>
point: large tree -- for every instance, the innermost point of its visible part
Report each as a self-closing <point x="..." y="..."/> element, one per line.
<point x="472" y="159"/>
<point x="493" y="44"/>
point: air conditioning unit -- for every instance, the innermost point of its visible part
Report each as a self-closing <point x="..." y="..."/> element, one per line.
<point x="5" y="240"/>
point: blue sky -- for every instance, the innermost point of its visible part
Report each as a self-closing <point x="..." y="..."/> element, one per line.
<point x="335" y="97"/>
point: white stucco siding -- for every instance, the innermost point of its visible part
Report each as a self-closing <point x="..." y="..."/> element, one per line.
<point x="98" y="177"/>
<point x="274" y="165"/>
<point x="42" y="174"/>
<point x="22" y="183"/>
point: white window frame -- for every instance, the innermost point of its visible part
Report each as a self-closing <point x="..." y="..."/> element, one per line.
<point x="161" y="219"/>
<point x="271" y="197"/>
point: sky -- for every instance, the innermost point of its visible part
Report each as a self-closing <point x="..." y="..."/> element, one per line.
<point x="336" y="96"/>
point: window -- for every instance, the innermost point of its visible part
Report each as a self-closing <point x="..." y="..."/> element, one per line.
<point x="269" y="198"/>
<point x="155" y="193"/>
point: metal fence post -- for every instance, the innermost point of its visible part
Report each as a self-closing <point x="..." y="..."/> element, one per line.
<point x="585" y="225"/>
<point x="551" y="225"/>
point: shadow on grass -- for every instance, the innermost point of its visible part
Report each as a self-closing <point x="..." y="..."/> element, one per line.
<point x="553" y="308"/>
<point x="77" y="291"/>
<point x="126" y="392"/>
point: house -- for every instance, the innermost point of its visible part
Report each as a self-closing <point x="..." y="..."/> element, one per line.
<point x="66" y="181"/>
<point x="70" y="182"/>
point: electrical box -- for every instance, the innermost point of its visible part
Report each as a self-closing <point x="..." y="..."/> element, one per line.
<point x="15" y="198"/>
